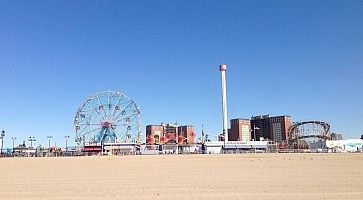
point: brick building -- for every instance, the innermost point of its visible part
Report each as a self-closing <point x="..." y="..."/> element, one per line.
<point x="169" y="134"/>
<point x="260" y="126"/>
<point x="279" y="127"/>
<point x="273" y="128"/>
<point x="240" y="130"/>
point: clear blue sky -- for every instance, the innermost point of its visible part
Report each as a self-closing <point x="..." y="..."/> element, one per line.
<point x="300" y="58"/>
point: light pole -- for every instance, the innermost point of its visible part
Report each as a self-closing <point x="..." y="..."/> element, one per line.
<point x="31" y="140"/>
<point x="254" y="132"/>
<point x="2" y="141"/>
<point x="49" y="138"/>
<point x="13" y="138"/>
<point x="66" y="138"/>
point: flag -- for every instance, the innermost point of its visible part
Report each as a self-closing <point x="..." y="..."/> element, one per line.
<point x="256" y="128"/>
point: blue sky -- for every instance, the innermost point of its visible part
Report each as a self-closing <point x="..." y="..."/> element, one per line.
<point x="300" y="58"/>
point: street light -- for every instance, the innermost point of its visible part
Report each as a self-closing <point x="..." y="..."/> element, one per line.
<point x="13" y="138"/>
<point x="66" y="137"/>
<point x="2" y="141"/>
<point x="49" y="138"/>
<point x="31" y="140"/>
<point x="254" y="131"/>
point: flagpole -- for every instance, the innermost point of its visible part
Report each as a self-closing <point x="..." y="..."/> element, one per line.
<point x="202" y="134"/>
<point x="177" y="138"/>
<point x="203" y="140"/>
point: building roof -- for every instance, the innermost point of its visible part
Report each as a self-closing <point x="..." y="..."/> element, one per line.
<point x="267" y="116"/>
<point x="241" y="119"/>
<point x="282" y="116"/>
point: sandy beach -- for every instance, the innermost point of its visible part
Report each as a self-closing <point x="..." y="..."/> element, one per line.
<point x="244" y="176"/>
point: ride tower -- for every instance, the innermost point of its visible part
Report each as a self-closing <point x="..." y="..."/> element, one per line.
<point x="223" y="69"/>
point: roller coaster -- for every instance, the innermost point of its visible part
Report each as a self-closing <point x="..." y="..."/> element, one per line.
<point x="308" y="134"/>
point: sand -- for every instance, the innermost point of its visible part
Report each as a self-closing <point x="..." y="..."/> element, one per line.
<point x="243" y="176"/>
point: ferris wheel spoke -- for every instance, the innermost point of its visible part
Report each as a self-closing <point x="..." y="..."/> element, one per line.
<point x="125" y="117"/>
<point x="117" y="103"/>
<point x="87" y="108"/>
<point x="81" y="131"/>
<point x="100" y="105"/>
<point x="82" y="120"/>
<point x="88" y="124"/>
<point x="108" y="104"/>
<point x="115" y="132"/>
<point x="130" y="123"/>
<point x="133" y="119"/>
<point x="94" y="109"/>
<point x="123" y="110"/>
<point x="91" y="131"/>
<point x="84" y="109"/>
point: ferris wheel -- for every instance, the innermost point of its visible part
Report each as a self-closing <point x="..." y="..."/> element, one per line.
<point x="108" y="117"/>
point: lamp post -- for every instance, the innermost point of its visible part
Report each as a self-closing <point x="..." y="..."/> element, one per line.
<point x="2" y="141"/>
<point x="13" y="138"/>
<point x="254" y="132"/>
<point x="66" y="138"/>
<point x="31" y="139"/>
<point x="49" y="138"/>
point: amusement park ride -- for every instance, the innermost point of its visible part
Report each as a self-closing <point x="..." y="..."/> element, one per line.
<point x="308" y="135"/>
<point x="108" y="117"/>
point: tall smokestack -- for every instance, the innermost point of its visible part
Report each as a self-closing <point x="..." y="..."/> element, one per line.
<point x="223" y="69"/>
